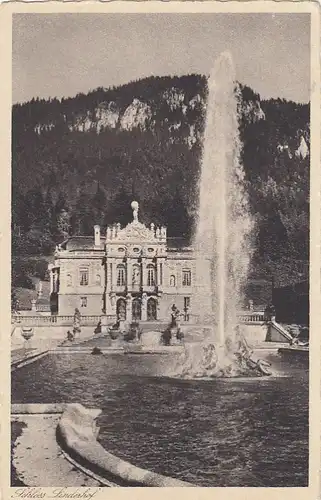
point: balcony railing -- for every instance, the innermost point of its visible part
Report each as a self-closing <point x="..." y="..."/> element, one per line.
<point x="135" y="288"/>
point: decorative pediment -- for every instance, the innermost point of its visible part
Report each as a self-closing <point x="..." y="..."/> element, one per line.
<point x="135" y="231"/>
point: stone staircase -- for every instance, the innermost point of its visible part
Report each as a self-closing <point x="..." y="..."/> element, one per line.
<point x="153" y="326"/>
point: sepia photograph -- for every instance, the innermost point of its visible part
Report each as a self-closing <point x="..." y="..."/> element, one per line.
<point x="160" y="250"/>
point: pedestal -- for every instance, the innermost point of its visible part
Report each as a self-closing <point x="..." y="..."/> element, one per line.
<point x="104" y="324"/>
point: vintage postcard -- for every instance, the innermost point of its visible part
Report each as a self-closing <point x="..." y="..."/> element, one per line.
<point x="160" y="250"/>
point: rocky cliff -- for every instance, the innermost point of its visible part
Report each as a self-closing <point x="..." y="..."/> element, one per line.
<point x="85" y="158"/>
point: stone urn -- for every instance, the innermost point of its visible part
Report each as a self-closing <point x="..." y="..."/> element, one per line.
<point x="114" y="332"/>
<point x="27" y="333"/>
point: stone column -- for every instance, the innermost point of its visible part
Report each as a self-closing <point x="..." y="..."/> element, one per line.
<point x="111" y="304"/>
<point x="158" y="315"/>
<point x="143" y="274"/>
<point x="129" y="308"/>
<point x="54" y="281"/>
<point x="144" y="307"/>
<point x="112" y="274"/>
<point x="129" y="274"/>
<point x="159" y="273"/>
<point x="108" y="275"/>
<point x="51" y="277"/>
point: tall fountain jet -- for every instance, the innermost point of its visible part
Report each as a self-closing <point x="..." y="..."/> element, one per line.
<point x="224" y="222"/>
<point x="222" y="238"/>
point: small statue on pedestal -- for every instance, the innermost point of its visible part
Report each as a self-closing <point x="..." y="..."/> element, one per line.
<point x="175" y="316"/>
<point x="135" y="207"/>
<point x="76" y="325"/>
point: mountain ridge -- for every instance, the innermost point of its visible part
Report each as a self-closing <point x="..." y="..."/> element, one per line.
<point x="87" y="157"/>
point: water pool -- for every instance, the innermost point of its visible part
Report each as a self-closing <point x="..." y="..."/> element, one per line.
<point x="220" y="432"/>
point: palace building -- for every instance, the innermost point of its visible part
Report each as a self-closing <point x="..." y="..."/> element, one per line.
<point x="135" y="273"/>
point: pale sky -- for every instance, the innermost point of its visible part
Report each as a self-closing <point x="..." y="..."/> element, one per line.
<point x="59" y="55"/>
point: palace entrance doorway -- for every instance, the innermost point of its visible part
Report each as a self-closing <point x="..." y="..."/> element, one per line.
<point x="151" y="309"/>
<point x="136" y="309"/>
<point x="121" y="309"/>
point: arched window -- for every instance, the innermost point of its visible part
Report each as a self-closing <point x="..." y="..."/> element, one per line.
<point x="121" y="275"/>
<point x="136" y="275"/>
<point x="150" y="275"/>
<point x="69" y="280"/>
<point x="172" y="280"/>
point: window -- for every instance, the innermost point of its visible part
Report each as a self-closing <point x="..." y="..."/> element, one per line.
<point x="121" y="275"/>
<point x="187" y="305"/>
<point x="84" y="273"/>
<point x="98" y="279"/>
<point x="69" y="280"/>
<point x="83" y="301"/>
<point x="186" y="277"/>
<point x="54" y="282"/>
<point x="172" y="280"/>
<point x="150" y="275"/>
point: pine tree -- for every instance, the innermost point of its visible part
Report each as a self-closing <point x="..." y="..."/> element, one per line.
<point x="48" y="220"/>
<point x="84" y="215"/>
<point x="14" y="302"/>
<point x="99" y="206"/>
<point x="120" y="210"/>
<point x="63" y="224"/>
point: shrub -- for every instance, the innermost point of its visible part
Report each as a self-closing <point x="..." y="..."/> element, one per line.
<point x="96" y="351"/>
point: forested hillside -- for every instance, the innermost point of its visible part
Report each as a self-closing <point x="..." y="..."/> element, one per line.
<point x="80" y="161"/>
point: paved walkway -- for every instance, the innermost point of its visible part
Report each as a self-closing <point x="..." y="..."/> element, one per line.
<point x="38" y="459"/>
<point x="20" y="354"/>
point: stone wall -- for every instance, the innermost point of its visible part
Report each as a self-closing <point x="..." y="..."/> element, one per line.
<point x="67" y="303"/>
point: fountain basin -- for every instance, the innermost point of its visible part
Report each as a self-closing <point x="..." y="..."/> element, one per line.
<point x="77" y="433"/>
<point x="218" y="432"/>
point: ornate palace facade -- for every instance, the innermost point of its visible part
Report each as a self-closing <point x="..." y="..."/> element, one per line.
<point x="133" y="273"/>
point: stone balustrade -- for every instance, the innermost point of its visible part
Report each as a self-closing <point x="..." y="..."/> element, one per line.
<point x="252" y="317"/>
<point x="92" y="320"/>
<point x="249" y="317"/>
<point x="43" y="307"/>
<point x="55" y="320"/>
